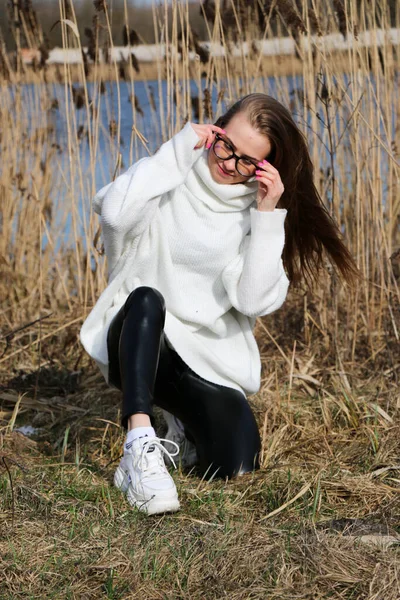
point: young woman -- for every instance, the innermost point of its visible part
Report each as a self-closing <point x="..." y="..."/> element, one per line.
<point x="202" y="238"/>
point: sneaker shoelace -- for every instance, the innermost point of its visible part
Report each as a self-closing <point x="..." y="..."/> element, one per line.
<point x="154" y="464"/>
<point x="177" y="437"/>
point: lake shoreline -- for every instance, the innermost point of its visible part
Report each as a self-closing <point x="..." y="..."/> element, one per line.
<point x="265" y="66"/>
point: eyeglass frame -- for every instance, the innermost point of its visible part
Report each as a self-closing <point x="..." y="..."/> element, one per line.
<point x="233" y="155"/>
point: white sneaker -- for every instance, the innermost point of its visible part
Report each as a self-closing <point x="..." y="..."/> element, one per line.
<point x="142" y="474"/>
<point x="176" y="434"/>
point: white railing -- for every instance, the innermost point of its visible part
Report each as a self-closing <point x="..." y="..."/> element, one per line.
<point x="275" y="46"/>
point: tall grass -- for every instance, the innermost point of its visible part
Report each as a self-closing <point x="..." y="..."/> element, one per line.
<point x="347" y="105"/>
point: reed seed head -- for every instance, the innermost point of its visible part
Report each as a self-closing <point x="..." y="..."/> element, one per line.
<point x="100" y="6"/>
<point x="341" y="16"/>
<point x="207" y="104"/>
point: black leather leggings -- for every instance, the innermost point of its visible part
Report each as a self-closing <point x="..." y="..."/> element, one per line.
<point x="217" y="418"/>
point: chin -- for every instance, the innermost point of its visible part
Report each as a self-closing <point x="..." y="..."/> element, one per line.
<point x="218" y="177"/>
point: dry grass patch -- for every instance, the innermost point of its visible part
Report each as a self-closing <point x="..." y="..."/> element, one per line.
<point x="319" y="520"/>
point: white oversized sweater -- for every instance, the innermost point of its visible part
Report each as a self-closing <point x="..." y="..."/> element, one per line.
<point x="214" y="257"/>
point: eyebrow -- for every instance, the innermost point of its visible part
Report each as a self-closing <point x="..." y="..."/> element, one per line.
<point x="234" y="147"/>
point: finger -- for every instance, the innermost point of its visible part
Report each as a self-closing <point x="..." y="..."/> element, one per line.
<point x="202" y="142"/>
<point x="210" y="140"/>
<point x="268" y="173"/>
<point x="217" y="129"/>
<point x="265" y="178"/>
<point x="270" y="180"/>
<point x="211" y="135"/>
<point x="265" y="165"/>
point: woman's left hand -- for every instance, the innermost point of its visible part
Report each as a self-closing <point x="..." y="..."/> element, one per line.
<point x="270" y="186"/>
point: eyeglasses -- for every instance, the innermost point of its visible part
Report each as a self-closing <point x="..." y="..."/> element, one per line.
<point x="223" y="150"/>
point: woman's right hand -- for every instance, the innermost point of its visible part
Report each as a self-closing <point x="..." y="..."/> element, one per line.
<point x="206" y="134"/>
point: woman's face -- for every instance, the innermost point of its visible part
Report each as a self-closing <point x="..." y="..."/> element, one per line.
<point x="245" y="141"/>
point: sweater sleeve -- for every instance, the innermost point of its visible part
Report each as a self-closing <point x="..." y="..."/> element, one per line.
<point x="128" y="203"/>
<point x="255" y="280"/>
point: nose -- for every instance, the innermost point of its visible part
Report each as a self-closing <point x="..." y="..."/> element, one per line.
<point x="229" y="165"/>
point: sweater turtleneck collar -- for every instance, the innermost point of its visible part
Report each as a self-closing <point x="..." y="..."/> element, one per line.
<point x="219" y="197"/>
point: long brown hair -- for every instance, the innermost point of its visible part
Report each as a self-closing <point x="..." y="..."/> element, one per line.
<point x="309" y="228"/>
